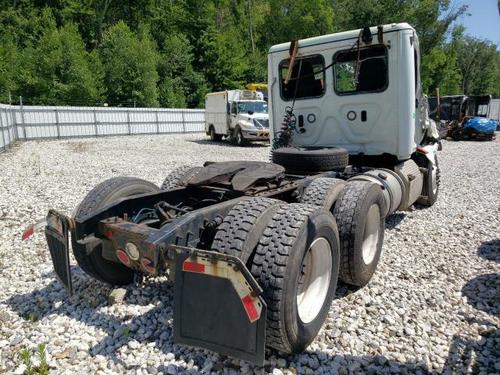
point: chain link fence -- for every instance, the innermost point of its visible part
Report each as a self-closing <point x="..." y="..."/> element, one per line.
<point x="41" y="122"/>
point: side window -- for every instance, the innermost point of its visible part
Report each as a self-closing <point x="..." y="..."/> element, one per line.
<point x="371" y="74"/>
<point x="234" y="108"/>
<point x="482" y="110"/>
<point x="307" y="79"/>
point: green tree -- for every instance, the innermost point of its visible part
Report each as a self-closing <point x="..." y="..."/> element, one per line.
<point x="478" y="61"/>
<point x="294" y="19"/>
<point x="129" y="64"/>
<point x="8" y="68"/>
<point x="58" y="70"/>
<point x="431" y="18"/>
<point x="180" y="84"/>
<point x="440" y="69"/>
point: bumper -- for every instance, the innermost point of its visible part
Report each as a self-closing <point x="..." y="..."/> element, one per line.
<point x="217" y="302"/>
<point x="256" y="134"/>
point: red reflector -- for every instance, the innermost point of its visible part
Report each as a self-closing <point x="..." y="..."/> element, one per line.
<point x="122" y="255"/>
<point x="252" y="313"/>
<point x="109" y="233"/>
<point x="193" y="267"/>
<point x="28" y="232"/>
<point x="148" y="265"/>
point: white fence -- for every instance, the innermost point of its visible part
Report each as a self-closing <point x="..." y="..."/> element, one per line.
<point x="37" y="122"/>
<point x="7" y="127"/>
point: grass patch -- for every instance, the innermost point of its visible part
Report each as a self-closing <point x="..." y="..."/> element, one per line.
<point x="25" y="357"/>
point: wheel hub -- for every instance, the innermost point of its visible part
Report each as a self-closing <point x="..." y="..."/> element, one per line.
<point x="371" y="234"/>
<point x="315" y="279"/>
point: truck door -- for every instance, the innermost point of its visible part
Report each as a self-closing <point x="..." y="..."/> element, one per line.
<point x="232" y="120"/>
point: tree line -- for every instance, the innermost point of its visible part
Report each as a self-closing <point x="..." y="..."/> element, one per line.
<point x="170" y="53"/>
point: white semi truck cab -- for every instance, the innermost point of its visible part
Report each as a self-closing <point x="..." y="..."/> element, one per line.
<point x="238" y="115"/>
<point x="358" y="91"/>
<point x="255" y="249"/>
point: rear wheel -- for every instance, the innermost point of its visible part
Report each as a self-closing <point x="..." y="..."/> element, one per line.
<point x="323" y="192"/>
<point x="214" y="136"/>
<point x="103" y="194"/>
<point x="179" y="177"/>
<point x="243" y="227"/>
<point x="359" y="213"/>
<point x="296" y="263"/>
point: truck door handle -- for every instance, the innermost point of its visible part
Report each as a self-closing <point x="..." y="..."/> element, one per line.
<point x="301" y="121"/>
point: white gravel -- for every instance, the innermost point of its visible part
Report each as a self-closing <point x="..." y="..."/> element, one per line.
<point x="432" y="307"/>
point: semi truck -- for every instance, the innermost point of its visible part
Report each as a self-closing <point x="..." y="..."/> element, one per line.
<point x="255" y="249"/>
<point x="240" y="116"/>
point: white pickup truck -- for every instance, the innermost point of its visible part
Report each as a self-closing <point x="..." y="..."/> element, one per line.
<point x="238" y="115"/>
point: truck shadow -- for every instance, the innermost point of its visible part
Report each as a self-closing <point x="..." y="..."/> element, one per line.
<point x="392" y="221"/>
<point x="225" y="143"/>
<point x="468" y="355"/>
<point x="146" y="317"/>
<point x="490" y="250"/>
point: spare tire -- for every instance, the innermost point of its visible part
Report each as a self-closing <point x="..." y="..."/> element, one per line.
<point x="179" y="177"/>
<point x="311" y="159"/>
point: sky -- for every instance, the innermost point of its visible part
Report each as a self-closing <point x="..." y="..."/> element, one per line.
<point x="484" y="19"/>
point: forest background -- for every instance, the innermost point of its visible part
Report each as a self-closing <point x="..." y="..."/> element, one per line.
<point x="170" y="53"/>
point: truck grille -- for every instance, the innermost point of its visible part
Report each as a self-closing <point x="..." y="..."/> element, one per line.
<point x="262" y="122"/>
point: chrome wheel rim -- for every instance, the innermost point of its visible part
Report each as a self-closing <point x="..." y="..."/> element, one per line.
<point x="370" y="234"/>
<point x="314" y="281"/>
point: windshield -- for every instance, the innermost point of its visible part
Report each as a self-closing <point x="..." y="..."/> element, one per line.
<point x="254" y="107"/>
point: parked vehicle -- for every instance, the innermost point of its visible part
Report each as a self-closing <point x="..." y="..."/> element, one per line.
<point x="466" y="117"/>
<point x="255" y="249"/>
<point x="239" y="115"/>
<point x="260" y="87"/>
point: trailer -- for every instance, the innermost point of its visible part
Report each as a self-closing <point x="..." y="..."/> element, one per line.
<point x="255" y="249"/>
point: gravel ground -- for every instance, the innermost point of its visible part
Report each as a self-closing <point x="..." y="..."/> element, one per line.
<point x="432" y="307"/>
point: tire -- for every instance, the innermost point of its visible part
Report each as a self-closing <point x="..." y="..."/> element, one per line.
<point x="431" y="185"/>
<point x="323" y="192"/>
<point x="243" y="227"/>
<point x="359" y="212"/>
<point x="179" y="176"/>
<point x="294" y="319"/>
<point x="103" y="194"/>
<point x="214" y="137"/>
<point x="237" y="137"/>
<point x="311" y="159"/>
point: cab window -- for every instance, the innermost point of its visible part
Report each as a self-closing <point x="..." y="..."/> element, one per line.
<point x="368" y="73"/>
<point x="306" y="80"/>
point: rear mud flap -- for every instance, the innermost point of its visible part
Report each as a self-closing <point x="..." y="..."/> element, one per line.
<point x="218" y="307"/>
<point x="57" y="235"/>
